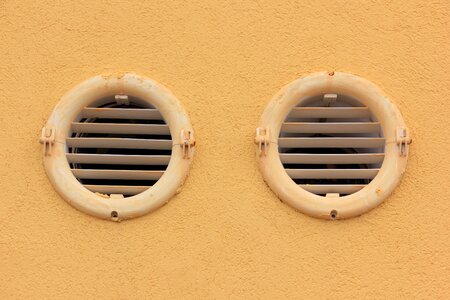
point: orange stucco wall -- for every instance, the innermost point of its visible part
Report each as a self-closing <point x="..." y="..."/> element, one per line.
<point x="225" y="235"/>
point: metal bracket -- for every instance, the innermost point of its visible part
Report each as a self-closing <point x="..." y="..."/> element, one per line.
<point x="329" y="99"/>
<point x="403" y="141"/>
<point x="122" y="99"/>
<point x="187" y="142"/>
<point x="262" y="139"/>
<point x="47" y="139"/>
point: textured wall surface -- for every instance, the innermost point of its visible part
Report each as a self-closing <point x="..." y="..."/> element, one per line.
<point x="225" y="235"/>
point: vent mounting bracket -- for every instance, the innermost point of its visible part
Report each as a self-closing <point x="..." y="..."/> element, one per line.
<point x="262" y="139"/>
<point x="329" y="99"/>
<point x="122" y="100"/>
<point x="47" y="139"/>
<point x="403" y="141"/>
<point x="187" y="142"/>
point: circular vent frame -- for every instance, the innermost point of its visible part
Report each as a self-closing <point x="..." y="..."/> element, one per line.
<point x="117" y="147"/>
<point x="332" y="145"/>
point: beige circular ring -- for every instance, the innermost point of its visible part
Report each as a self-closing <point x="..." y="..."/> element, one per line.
<point x="367" y="93"/>
<point x="70" y="106"/>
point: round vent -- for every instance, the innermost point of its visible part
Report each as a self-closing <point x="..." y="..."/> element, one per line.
<point x="332" y="145"/>
<point x="118" y="147"/>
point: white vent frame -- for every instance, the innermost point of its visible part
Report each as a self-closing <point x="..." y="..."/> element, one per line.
<point x="57" y="128"/>
<point x="396" y="145"/>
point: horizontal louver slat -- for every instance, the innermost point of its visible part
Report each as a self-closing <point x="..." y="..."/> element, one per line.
<point x="118" y="159"/>
<point x="344" y="127"/>
<point x="121" y="113"/>
<point x="117" y="174"/>
<point x="119" y="143"/>
<point x="116" y="189"/>
<point x="120" y="128"/>
<point x="332" y="173"/>
<point x="300" y="158"/>
<point x="330" y="112"/>
<point x="324" y="189"/>
<point x="335" y="142"/>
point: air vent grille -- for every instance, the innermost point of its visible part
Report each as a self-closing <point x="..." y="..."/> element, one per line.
<point x="119" y="147"/>
<point x="331" y="144"/>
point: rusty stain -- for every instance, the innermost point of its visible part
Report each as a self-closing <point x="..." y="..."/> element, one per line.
<point x="378" y="191"/>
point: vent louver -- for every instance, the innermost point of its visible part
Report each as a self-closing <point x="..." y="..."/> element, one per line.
<point x="331" y="145"/>
<point x="119" y="147"/>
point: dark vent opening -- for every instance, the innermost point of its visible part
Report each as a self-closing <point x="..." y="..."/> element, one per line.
<point x="332" y="146"/>
<point x="119" y="160"/>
